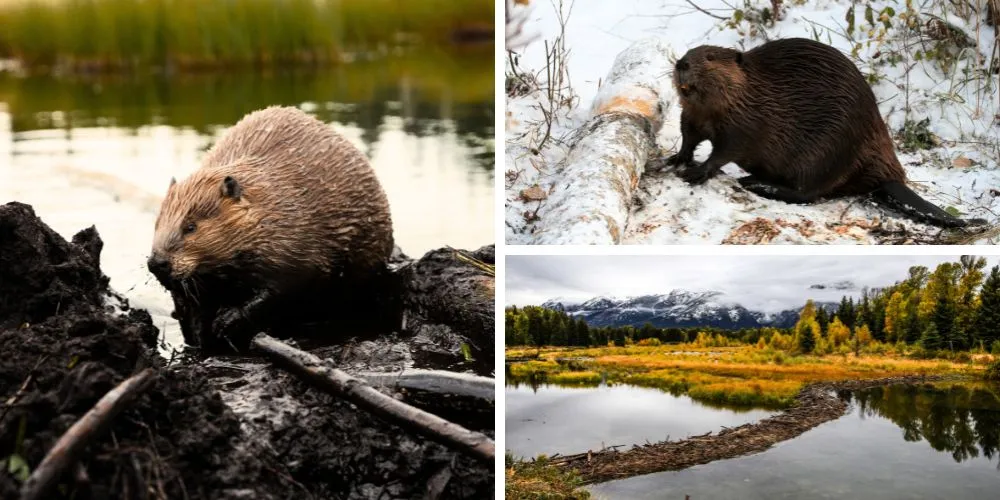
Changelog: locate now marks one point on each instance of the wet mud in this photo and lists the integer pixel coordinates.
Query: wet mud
(216, 428)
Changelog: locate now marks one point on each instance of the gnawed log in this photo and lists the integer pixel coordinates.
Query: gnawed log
(311, 369)
(589, 202)
(70, 445)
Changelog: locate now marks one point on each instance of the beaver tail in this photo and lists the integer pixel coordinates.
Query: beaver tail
(899, 196)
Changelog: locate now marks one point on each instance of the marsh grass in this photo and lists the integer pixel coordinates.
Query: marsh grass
(536, 480)
(732, 376)
(109, 34)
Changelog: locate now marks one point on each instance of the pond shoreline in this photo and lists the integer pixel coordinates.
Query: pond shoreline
(815, 404)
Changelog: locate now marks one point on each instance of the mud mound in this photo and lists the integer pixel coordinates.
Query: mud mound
(65, 348)
(67, 339)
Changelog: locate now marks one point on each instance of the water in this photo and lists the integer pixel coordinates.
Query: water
(897, 442)
(552, 419)
(101, 151)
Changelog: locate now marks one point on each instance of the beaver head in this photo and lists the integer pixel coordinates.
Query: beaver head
(709, 77)
(205, 222)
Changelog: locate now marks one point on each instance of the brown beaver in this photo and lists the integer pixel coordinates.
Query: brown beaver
(799, 117)
(280, 203)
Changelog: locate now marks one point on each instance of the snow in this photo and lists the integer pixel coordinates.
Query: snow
(960, 172)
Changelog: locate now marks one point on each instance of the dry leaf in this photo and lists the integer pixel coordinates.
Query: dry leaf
(961, 162)
(534, 193)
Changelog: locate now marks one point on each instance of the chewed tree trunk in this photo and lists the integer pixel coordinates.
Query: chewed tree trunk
(589, 202)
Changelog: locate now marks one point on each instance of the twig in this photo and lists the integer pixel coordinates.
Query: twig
(334, 381)
(95, 422)
(707, 13)
(487, 268)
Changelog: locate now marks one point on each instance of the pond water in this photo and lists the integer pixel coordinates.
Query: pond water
(550, 419)
(101, 150)
(896, 442)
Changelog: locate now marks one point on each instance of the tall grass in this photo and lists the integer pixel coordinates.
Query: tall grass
(741, 376)
(101, 34)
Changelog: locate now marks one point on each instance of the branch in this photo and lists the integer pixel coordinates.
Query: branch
(703, 11)
(438, 381)
(95, 422)
(336, 382)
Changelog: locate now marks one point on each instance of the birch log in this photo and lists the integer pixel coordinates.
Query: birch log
(589, 201)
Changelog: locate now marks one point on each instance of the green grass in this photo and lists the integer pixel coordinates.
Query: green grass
(108, 34)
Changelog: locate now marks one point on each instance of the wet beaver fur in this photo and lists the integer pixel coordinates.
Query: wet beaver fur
(800, 118)
(282, 210)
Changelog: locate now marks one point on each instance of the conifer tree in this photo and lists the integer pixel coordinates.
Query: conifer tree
(807, 329)
(988, 314)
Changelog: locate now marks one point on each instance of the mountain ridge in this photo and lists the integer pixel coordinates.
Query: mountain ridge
(676, 309)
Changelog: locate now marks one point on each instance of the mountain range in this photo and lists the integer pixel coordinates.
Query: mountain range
(677, 309)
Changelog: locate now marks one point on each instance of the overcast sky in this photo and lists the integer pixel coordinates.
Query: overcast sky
(765, 283)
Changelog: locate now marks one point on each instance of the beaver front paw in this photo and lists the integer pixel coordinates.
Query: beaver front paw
(696, 174)
(228, 323)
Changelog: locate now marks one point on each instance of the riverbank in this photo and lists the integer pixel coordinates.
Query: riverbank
(218, 428)
(188, 35)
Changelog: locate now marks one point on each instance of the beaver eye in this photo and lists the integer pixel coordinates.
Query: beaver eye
(710, 57)
(189, 228)
(682, 65)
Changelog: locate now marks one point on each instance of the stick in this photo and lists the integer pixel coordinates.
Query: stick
(95, 422)
(439, 381)
(355, 390)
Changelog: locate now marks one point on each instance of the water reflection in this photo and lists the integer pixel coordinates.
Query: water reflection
(961, 420)
(549, 419)
(927, 442)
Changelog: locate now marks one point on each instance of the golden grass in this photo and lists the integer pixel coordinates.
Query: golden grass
(726, 375)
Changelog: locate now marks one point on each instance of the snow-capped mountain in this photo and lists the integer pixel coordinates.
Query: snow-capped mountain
(679, 308)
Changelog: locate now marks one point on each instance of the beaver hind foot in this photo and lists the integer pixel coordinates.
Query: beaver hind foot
(772, 191)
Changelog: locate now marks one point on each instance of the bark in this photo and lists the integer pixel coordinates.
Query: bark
(592, 193)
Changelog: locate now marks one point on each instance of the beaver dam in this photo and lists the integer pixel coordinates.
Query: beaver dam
(235, 427)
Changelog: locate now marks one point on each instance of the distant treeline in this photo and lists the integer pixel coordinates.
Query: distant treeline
(109, 34)
(955, 307)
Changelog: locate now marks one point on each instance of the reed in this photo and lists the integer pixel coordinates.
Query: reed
(106, 34)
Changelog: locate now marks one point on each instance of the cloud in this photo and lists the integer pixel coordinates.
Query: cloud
(767, 283)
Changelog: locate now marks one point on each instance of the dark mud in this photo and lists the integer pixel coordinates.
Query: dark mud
(216, 429)
(814, 405)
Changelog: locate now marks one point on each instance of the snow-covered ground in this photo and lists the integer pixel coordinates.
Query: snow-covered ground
(960, 173)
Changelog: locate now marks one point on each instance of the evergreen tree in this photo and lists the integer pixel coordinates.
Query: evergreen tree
(823, 318)
(988, 315)
(943, 320)
(807, 329)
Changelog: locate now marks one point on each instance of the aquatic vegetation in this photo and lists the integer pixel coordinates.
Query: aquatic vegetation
(104, 34)
(584, 378)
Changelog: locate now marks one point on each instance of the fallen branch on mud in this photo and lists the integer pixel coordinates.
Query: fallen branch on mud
(438, 381)
(336, 382)
(95, 422)
(815, 404)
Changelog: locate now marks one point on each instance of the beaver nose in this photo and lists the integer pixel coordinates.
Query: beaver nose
(160, 267)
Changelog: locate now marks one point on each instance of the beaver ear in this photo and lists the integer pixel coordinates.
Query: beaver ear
(173, 180)
(231, 188)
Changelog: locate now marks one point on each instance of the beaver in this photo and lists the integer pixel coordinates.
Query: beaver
(281, 203)
(799, 117)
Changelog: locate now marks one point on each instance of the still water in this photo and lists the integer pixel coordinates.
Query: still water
(897, 442)
(550, 419)
(101, 150)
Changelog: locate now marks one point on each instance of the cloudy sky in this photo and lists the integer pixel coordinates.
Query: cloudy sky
(765, 283)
